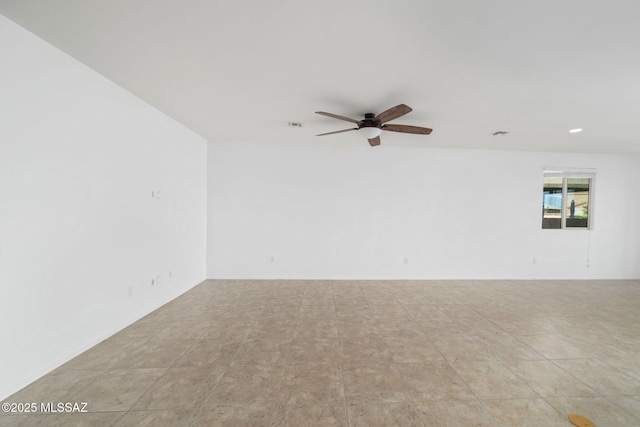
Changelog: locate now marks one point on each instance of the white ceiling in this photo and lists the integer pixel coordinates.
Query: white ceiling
(240, 70)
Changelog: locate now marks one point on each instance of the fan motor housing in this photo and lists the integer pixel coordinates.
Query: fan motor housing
(369, 121)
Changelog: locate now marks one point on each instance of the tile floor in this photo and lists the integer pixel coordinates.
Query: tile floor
(372, 353)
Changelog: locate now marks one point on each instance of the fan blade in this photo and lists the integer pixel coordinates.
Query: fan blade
(407, 129)
(335, 116)
(338, 131)
(374, 141)
(393, 113)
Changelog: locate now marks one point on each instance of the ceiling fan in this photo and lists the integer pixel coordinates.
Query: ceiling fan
(371, 126)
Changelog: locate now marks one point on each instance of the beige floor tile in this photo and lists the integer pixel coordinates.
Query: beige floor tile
(81, 419)
(317, 311)
(235, 416)
(616, 347)
(118, 389)
(106, 354)
(507, 347)
(455, 413)
(209, 353)
(208, 312)
(364, 413)
(270, 350)
(349, 311)
(380, 297)
(180, 388)
(230, 328)
(253, 300)
(547, 379)
(412, 296)
(183, 330)
(556, 346)
(21, 420)
(424, 311)
(345, 286)
(311, 384)
(317, 300)
(479, 327)
(631, 404)
(289, 289)
(142, 329)
(491, 380)
(459, 312)
(355, 327)
(446, 297)
(281, 311)
(57, 386)
(350, 300)
(600, 376)
(400, 328)
(440, 327)
(160, 418)
(274, 328)
(248, 312)
(294, 352)
(326, 415)
(516, 324)
(324, 351)
(284, 299)
(316, 328)
(364, 350)
(196, 309)
(600, 410)
(525, 413)
(412, 349)
(374, 382)
(434, 380)
(388, 310)
(247, 386)
(461, 347)
(155, 354)
(498, 309)
(316, 284)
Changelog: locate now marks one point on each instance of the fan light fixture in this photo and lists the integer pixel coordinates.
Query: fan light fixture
(370, 132)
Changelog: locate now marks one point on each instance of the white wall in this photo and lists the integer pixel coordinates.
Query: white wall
(345, 210)
(79, 230)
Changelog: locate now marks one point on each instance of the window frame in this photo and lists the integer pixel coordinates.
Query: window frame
(566, 174)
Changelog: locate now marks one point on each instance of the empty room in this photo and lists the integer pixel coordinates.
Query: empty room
(337, 213)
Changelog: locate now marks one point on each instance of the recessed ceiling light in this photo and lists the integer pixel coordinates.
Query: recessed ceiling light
(577, 130)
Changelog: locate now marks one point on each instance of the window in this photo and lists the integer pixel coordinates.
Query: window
(566, 199)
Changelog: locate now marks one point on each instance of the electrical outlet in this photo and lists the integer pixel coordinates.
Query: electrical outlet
(272, 259)
(130, 291)
(406, 260)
